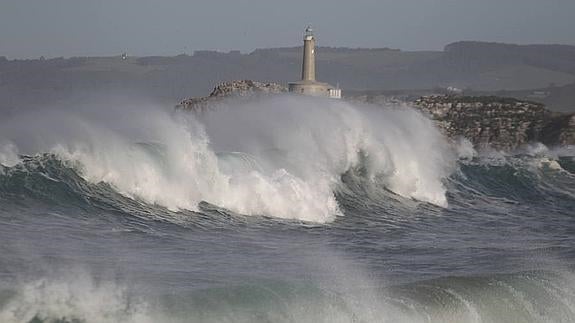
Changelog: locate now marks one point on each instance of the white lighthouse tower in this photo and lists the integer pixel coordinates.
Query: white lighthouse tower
(308, 84)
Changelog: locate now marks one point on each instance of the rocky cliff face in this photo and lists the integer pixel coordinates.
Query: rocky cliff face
(500, 123)
(560, 130)
(227, 89)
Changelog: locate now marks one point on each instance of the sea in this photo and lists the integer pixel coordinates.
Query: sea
(277, 209)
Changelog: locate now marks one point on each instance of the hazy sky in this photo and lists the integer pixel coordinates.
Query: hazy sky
(31, 28)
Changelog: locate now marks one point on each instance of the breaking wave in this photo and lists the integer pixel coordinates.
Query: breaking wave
(172, 203)
(280, 157)
(523, 297)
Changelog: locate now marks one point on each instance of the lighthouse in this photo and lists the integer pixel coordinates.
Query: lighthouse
(308, 66)
(308, 85)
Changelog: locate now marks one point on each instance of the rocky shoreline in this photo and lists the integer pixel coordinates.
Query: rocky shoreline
(499, 123)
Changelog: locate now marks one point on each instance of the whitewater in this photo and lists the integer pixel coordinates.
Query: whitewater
(277, 209)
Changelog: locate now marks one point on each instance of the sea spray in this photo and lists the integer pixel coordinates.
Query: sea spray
(319, 140)
(501, 251)
(8, 154)
(280, 156)
(73, 297)
(526, 297)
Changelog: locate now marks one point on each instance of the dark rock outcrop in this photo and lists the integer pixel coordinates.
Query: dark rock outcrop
(241, 88)
(560, 130)
(501, 123)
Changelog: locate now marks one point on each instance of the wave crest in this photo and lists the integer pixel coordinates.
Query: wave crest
(282, 156)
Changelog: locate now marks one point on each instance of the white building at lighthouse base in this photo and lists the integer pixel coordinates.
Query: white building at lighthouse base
(315, 88)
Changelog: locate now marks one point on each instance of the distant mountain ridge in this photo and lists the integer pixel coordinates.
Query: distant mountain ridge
(559, 58)
(473, 66)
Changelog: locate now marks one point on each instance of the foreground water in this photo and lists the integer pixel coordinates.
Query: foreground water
(278, 210)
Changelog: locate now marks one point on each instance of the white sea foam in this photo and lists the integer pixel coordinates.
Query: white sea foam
(465, 149)
(77, 298)
(8, 154)
(280, 156)
(347, 295)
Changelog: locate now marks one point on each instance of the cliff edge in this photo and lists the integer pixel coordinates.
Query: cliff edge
(501, 123)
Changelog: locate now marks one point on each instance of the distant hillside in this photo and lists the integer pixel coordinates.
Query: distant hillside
(467, 65)
(494, 66)
(559, 58)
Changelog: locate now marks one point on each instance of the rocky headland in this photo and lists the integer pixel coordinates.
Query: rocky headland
(242, 88)
(500, 123)
(488, 121)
